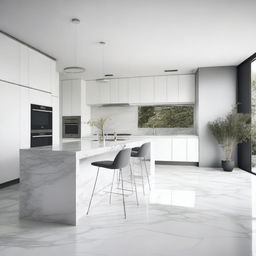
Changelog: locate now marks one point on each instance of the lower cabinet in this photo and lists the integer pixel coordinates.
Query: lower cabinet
(176, 149)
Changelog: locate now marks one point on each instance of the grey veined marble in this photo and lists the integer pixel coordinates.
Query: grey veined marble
(56, 183)
(189, 212)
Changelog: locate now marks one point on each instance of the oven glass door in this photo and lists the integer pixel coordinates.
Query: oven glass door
(39, 140)
(41, 119)
(71, 129)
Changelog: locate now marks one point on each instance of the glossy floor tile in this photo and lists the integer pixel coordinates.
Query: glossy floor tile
(189, 212)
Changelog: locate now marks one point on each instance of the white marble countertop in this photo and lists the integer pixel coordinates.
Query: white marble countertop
(87, 147)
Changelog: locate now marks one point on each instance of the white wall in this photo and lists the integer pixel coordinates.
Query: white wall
(124, 119)
(215, 96)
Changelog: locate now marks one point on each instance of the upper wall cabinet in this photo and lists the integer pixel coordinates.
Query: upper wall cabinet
(134, 90)
(143, 90)
(147, 91)
(22, 65)
(40, 71)
(187, 88)
(9, 59)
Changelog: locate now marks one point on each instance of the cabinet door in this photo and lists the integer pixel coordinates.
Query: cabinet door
(24, 61)
(104, 89)
(113, 90)
(134, 90)
(66, 88)
(160, 89)
(123, 90)
(76, 98)
(39, 71)
(54, 79)
(187, 88)
(92, 93)
(173, 89)
(192, 149)
(55, 121)
(162, 149)
(9, 132)
(40, 98)
(179, 149)
(147, 90)
(9, 59)
(24, 110)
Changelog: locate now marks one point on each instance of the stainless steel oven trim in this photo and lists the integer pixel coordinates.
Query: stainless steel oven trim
(41, 110)
(41, 136)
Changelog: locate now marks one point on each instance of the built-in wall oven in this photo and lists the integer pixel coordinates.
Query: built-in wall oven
(71, 126)
(41, 125)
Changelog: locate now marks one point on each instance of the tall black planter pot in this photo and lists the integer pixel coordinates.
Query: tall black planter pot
(228, 166)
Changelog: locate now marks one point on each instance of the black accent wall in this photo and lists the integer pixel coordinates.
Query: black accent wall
(244, 106)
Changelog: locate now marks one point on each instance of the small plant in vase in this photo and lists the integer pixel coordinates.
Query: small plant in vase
(235, 128)
(100, 125)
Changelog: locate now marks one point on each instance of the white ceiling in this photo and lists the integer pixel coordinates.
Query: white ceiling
(143, 37)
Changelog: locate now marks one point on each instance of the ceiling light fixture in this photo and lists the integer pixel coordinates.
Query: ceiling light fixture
(75, 68)
(103, 79)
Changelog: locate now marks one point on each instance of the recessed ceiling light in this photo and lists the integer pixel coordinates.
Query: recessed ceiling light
(171, 70)
(74, 70)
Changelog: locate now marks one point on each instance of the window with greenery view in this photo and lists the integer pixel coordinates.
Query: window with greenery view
(174, 116)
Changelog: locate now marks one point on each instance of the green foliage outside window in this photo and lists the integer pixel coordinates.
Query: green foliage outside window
(174, 116)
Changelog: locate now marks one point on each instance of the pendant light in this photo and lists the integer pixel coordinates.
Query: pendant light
(75, 68)
(103, 79)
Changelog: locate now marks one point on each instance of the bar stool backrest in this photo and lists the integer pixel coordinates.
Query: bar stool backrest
(144, 150)
(122, 158)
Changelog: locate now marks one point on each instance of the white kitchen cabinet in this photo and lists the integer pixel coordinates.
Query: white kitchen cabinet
(71, 97)
(92, 93)
(187, 88)
(75, 97)
(9, 132)
(40, 98)
(123, 90)
(9, 59)
(66, 87)
(55, 80)
(104, 91)
(160, 89)
(40, 67)
(173, 89)
(24, 111)
(147, 90)
(113, 84)
(55, 120)
(192, 150)
(162, 149)
(134, 90)
(179, 149)
(24, 62)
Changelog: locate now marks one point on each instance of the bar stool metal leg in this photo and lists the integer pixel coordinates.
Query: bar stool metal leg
(112, 186)
(134, 182)
(141, 170)
(122, 183)
(147, 173)
(93, 190)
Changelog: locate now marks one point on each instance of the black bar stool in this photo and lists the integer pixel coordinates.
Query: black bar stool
(141, 153)
(121, 160)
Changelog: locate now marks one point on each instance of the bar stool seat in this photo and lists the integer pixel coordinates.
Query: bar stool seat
(104, 164)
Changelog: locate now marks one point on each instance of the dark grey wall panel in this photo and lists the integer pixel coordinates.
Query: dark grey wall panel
(244, 106)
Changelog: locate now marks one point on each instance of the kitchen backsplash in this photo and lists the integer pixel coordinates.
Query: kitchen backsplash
(124, 119)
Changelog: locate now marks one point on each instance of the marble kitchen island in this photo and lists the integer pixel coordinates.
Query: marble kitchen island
(56, 182)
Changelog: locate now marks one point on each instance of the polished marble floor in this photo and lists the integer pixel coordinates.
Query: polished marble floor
(189, 212)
